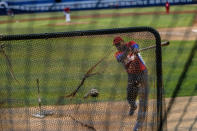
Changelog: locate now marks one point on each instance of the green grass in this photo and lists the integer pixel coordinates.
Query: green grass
(162, 21)
(174, 59)
(61, 63)
(156, 21)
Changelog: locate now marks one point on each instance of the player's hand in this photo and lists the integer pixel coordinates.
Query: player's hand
(134, 50)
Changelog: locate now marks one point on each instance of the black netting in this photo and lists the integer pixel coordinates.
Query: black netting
(58, 64)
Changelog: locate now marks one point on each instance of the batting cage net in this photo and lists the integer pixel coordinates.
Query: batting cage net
(75, 81)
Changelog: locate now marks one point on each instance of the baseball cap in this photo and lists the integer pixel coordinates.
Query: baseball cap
(117, 40)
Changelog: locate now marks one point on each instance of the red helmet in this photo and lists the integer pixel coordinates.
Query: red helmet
(117, 40)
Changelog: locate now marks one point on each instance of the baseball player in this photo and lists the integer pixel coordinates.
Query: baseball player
(128, 54)
(167, 5)
(67, 14)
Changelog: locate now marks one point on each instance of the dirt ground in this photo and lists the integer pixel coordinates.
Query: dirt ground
(101, 116)
(183, 116)
(105, 116)
(179, 33)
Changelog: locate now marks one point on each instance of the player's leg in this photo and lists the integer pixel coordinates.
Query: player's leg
(132, 92)
(143, 92)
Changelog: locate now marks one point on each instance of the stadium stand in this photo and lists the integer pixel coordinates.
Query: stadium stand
(33, 6)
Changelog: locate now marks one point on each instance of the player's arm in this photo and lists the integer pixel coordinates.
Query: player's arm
(134, 48)
(121, 56)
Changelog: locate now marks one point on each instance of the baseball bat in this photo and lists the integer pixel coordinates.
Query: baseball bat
(39, 99)
(165, 43)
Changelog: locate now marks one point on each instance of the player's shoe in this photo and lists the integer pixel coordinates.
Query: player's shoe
(137, 127)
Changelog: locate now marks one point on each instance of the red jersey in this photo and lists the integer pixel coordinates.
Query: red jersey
(167, 5)
(133, 63)
(67, 10)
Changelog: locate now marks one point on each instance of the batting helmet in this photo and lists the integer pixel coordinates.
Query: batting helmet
(117, 40)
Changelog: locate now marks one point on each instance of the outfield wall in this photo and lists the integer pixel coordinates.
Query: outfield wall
(32, 6)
